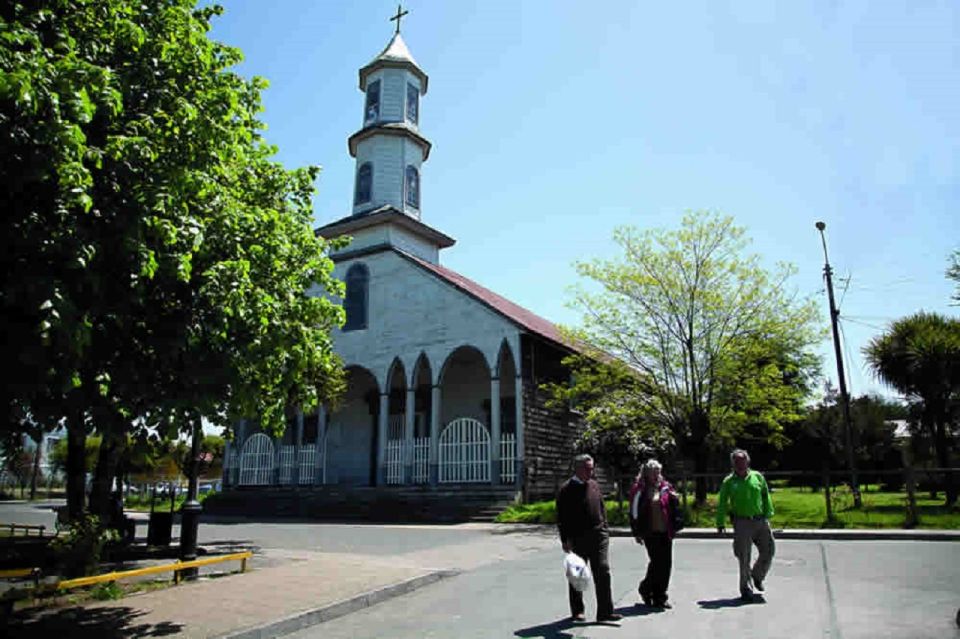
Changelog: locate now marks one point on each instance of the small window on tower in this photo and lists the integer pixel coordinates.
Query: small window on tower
(413, 103)
(413, 186)
(372, 112)
(361, 194)
(355, 302)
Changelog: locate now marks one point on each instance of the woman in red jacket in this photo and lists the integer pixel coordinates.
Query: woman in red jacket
(655, 518)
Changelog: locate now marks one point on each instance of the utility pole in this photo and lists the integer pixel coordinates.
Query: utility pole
(844, 397)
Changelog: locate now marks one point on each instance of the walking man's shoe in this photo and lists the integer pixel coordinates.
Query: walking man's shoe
(578, 617)
(613, 616)
(746, 595)
(758, 584)
(647, 599)
(663, 603)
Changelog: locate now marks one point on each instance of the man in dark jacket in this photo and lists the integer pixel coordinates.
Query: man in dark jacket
(582, 520)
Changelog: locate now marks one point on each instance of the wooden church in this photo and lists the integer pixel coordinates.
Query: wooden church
(442, 407)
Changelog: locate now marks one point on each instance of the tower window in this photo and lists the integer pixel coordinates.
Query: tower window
(413, 103)
(372, 110)
(355, 302)
(361, 194)
(412, 183)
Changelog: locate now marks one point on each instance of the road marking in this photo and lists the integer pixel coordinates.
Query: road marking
(833, 630)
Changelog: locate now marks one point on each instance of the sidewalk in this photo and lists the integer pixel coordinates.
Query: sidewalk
(294, 590)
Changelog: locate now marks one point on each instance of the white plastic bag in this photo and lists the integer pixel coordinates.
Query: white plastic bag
(577, 571)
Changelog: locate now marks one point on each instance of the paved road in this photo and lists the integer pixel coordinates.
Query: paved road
(511, 584)
(840, 590)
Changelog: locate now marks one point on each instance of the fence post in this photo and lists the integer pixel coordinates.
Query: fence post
(912, 519)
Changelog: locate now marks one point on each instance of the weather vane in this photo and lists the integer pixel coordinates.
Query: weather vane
(400, 14)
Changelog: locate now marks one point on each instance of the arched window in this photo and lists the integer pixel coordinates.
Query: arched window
(372, 109)
(355, 302)
(361, 194)
(413, 186)
(413, 103)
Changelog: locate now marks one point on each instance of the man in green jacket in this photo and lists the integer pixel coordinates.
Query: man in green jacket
(744, 494)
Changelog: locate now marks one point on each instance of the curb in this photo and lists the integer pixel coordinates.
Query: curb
(820, 534)
(307, 618)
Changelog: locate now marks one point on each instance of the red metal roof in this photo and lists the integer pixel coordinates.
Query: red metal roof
(514, 312)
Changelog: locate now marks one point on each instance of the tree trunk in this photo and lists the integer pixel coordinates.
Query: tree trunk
(943, 460)
(700, 466)
(36, 470)
(102, 500)
(76, 471)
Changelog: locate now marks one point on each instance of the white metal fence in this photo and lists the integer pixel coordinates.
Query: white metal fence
(308, 465)
(394, 462)
(464, 452)
(508, 458)
(288, 455)
(421, 460)
(256, 461)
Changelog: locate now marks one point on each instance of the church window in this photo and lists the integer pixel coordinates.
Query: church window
(413, 186)
(361, 194)
(413, 103)
(355, 302)
(372, 110)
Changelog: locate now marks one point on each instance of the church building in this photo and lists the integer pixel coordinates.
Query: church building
(443, 374)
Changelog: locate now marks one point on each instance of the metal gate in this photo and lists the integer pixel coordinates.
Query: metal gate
(256, 461)
(464, 452)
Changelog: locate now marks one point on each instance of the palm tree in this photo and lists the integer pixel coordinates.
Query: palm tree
(919, 356)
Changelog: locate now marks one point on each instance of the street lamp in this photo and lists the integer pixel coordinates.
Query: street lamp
(844, 397)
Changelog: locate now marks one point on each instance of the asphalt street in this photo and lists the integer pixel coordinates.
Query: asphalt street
(840, 590)
(511, 583)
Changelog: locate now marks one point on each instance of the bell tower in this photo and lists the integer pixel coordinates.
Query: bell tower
(389, 149)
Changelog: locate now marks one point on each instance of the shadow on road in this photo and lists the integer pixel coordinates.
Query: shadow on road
(85, 623)
(556, 629)
(735, 602)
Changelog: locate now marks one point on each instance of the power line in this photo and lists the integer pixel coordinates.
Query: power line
(867, 324)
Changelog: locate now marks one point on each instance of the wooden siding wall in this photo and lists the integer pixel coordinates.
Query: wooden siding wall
(549, 435)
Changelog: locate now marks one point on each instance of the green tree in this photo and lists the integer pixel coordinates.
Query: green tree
(714, 342)
(919, 356)
(155, 260)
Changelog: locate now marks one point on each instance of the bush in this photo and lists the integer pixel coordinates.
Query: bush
(109, 591)
(78, 552)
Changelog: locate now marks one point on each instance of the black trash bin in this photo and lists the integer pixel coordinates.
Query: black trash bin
(159, 529)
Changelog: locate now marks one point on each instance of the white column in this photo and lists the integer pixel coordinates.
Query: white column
(434, 433)
(297, 445)
(321, 461)
(408, 437)
(495, 430)
(382, 437)
(521, 476)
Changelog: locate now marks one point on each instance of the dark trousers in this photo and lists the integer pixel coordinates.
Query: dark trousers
(592, 547)
(660, 551)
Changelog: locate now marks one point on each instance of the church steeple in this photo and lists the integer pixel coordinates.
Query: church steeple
(389, 149)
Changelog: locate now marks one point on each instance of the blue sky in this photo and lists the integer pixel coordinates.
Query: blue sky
(555, 122)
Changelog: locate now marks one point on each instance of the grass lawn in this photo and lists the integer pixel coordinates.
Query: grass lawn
(141, 503)
(794, 508)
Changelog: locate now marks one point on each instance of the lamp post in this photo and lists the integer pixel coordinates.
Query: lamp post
(190, 511)
(844, 397)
